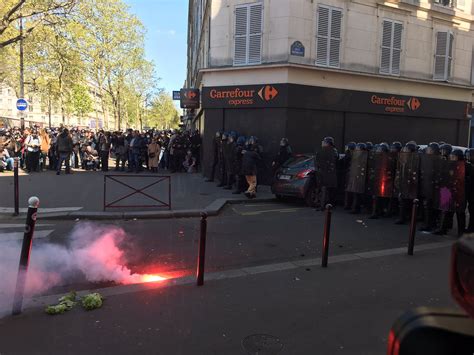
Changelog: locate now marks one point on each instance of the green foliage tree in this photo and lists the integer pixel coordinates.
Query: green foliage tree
(80, 102)
(163, 113)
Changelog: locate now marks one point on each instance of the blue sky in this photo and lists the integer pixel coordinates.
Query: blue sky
(166, 22)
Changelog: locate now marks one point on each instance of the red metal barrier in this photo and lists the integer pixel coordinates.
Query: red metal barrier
(135, 190)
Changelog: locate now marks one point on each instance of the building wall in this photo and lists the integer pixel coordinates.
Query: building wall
(285, 21)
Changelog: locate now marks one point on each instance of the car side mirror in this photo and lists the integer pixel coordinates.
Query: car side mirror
(441, 331)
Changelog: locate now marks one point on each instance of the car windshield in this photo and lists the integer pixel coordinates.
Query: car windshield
(302, 161)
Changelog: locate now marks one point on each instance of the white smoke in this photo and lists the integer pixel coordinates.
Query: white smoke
(93, 250)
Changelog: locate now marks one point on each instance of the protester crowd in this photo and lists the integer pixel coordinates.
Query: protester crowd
(133, 151)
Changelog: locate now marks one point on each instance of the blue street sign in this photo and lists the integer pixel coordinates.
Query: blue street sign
(21, 104)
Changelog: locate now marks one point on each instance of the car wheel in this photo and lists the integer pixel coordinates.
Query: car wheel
(312, 196)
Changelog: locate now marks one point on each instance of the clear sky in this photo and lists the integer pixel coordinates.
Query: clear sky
(166, 22)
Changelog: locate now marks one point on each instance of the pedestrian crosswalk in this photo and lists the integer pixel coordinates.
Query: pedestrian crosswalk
(12, 232)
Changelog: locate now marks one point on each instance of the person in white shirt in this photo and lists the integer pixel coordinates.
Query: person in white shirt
(33, 145)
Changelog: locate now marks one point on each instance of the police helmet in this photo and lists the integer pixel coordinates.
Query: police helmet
(328, 141)
(469, 155)
(283, 142)
(218, 134)
(350, 146)
(252, 140)
(396, 146)
(224, 136)
(369, 145)
(361, 146)
(433, 148)
(410, 147)
(446, 149)
(456, 155)
(382, 148)
(241, 140)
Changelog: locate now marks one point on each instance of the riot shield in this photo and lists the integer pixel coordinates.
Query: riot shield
(384, 174)
(407, 176)
(326, 172)
(358, 171)
(452, 186)
(429, 177)
(370, 184)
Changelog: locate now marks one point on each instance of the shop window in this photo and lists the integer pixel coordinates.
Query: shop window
(448, 3)
(328, 38)
(443, 56)
(391, 47)
(248, 34)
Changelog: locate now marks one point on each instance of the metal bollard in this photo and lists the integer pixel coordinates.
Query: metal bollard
(327, 232)
(411, 236)
(33, 204)
(202, 250)
(16, 189)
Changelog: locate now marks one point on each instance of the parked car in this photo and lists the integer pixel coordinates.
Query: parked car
(296, 178)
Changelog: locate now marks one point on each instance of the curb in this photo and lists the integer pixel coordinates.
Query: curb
(212, 209)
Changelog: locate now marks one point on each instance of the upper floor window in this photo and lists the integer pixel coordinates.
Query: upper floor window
(248, 34)
(449, 3)
(391, 47)
(328, 37)
(443, 55)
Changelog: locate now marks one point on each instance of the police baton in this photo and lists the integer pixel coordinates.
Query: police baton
(16, 188)
(411, 236)
(327, 232)
(33, 204)
(202, 250)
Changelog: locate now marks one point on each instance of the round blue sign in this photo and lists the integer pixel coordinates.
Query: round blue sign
(21, 104)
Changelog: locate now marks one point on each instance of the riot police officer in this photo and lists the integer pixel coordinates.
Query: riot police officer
(452, 192)
(284, 153)
(429, 176)
(406, 180)
(356, 182)
(469, 157)
(229, 159)
(237, 169)
(221, 160)
(215, 154)
(346, 165)
(383, 179)
(326, 172)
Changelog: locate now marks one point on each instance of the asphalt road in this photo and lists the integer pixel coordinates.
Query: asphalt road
(345, 309)
(243, 235)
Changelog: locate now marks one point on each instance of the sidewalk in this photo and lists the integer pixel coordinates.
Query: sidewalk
(81, 195)
(345, 309)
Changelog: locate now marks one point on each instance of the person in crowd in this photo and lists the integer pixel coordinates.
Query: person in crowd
(251, 158)
(64, 148)
(104, 150)
(284, 153)
(190, 162)
(120, 146)
(33, 146)
(44, 149)
(154, 150)
(6, 161)
(91, 158)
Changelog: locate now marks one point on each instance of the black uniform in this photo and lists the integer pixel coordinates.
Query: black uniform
(326, 173)
(356, 181)
(383, 176)
(215, 155)
(430, 162)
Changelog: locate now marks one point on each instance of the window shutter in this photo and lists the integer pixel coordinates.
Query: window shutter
(443, 55)
(255, 34)
(397, 47)
(240, 39)
(323, 36)
(386, 47)
(328, 41)
(335, 41)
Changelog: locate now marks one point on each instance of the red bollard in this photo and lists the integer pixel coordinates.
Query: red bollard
(202, 250)
(327, 232)
(411, 236)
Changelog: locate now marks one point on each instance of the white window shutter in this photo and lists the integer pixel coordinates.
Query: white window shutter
(335, 40)
(328, 40)
(387, 30)
(240, 35)
(255, 34)
(396, 47)
(440, 56)
(322, 40)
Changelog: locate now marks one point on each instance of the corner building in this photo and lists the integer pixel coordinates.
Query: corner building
(356, 70)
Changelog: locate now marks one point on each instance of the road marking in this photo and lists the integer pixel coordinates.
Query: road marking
(282, 210)
(8, 237)
(42, 210)
(6, 225)
(234, 273)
